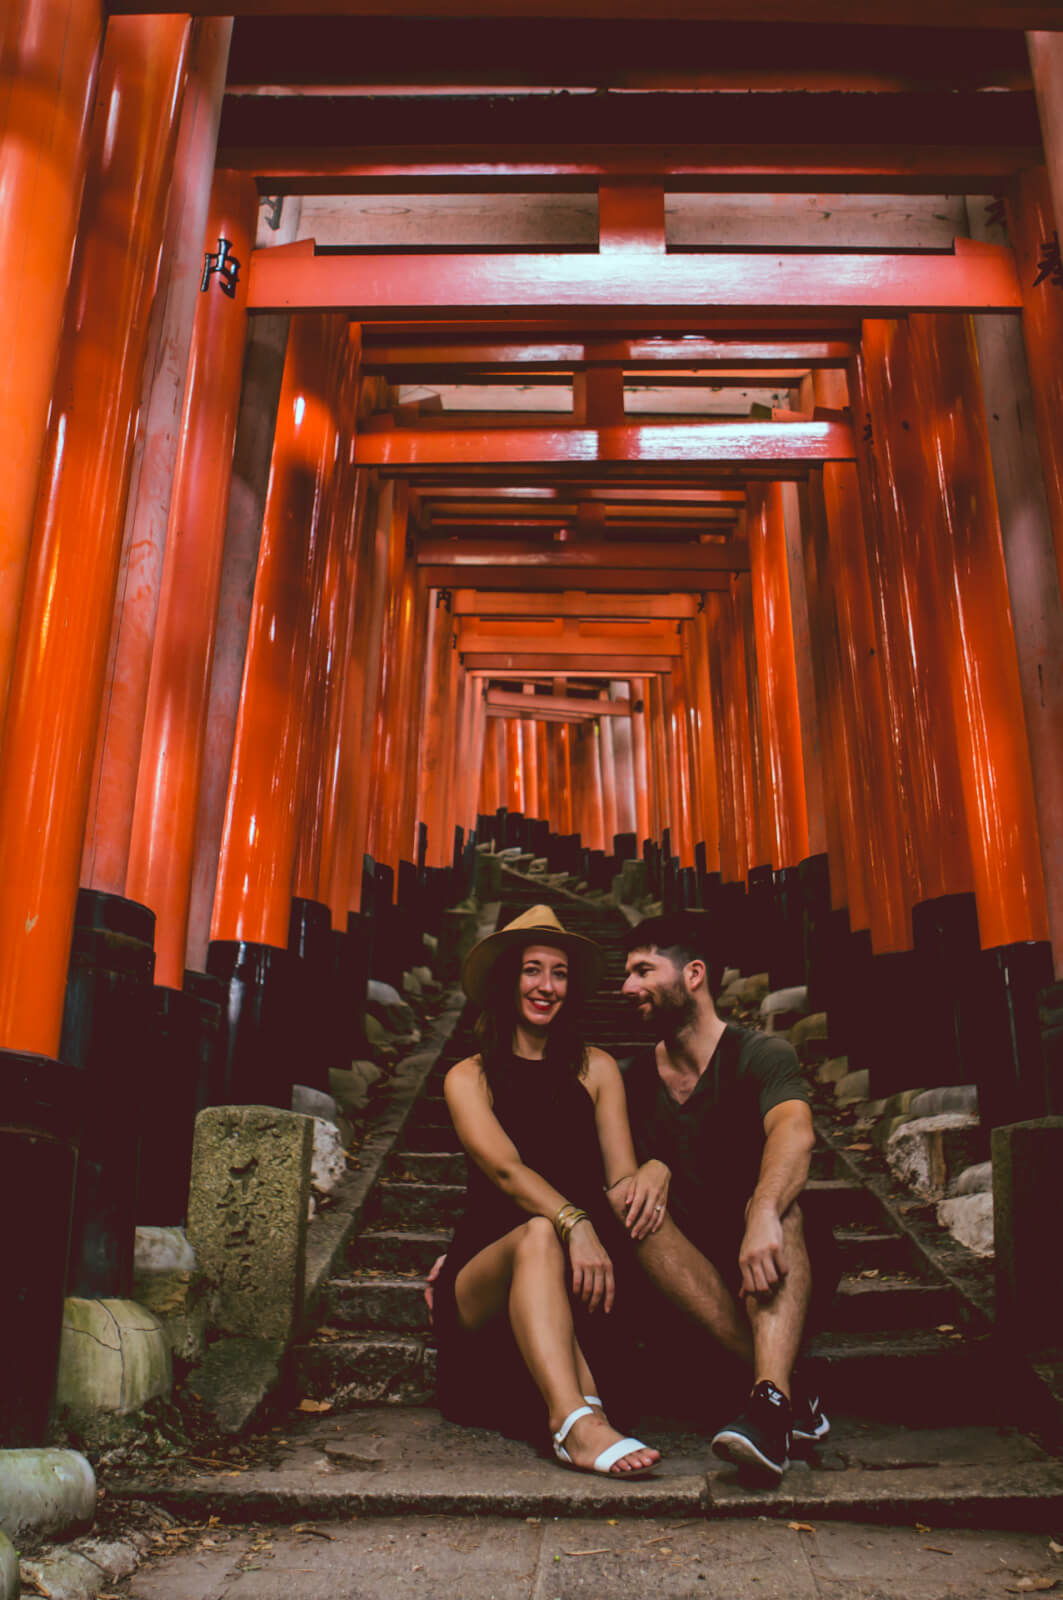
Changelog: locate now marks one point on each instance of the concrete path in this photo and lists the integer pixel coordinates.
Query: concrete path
(436, 1558)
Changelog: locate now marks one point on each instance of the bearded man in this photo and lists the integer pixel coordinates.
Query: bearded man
(723, 1130)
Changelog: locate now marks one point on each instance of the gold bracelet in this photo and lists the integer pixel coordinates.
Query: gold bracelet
(570, 1222)
(562, 1218)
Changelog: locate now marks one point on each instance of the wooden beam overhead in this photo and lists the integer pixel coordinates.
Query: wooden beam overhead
(781, 445)
(565, 706)
(893, 13)
(606, 580)
(586, 559)
(762, 357)
(979, 278)
(621, 662)
(571, 603)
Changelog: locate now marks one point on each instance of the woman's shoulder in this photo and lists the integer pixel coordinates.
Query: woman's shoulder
(468, 1071)
(600, 1064)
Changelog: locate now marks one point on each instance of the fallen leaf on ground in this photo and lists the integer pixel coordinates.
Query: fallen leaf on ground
(308, 1527)
(1031, 1585)
(801, 1527)
(1055, 1547)
(945, 1327)
(314, 1405)
(601, 1551)
(923, 1527)
(937, 1550)
(862, 1145)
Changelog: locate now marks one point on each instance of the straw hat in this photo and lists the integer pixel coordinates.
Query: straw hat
(537, 925)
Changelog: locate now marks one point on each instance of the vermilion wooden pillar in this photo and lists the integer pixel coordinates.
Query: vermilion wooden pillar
(513, 767)
(675, 702)
(49, 58)
(1046, 61)
(167, 795)
(167, 366)
(543, 762)
(364, 674)
(658, 752)
(58, 674)
(439, 733)
(761, 836)
(986, 694)
(703, 737)
(1032, 222)
(490, 789)
(607, 757)
(903, 575)
(342, 893)
(329, 644)
(383, 777)
(732, 818)
(567, 822)
(644, 803)
(59, 660)
(623, 756)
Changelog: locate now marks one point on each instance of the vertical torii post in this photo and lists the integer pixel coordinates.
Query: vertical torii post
(49, 59)
(252, 904)
(167, 367)
(58, 674)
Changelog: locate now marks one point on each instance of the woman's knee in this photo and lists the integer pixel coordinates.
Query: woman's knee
(537, 1240)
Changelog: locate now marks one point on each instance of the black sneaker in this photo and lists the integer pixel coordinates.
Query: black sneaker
(808, 1425)
(759, 1439)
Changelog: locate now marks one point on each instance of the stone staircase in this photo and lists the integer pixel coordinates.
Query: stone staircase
(899, 1342)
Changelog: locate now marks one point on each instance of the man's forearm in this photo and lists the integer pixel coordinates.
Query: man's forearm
(783, 1169)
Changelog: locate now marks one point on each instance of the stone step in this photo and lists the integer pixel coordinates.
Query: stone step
(911, 1378)
(429, 1166)
(398, 1250)
(410, 1204)
(863, 1248)
(403, 1462)
(374, 1300)
(882, 1303)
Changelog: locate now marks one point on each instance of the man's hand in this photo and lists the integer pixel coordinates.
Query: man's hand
(646, 1198)
(429, 1286)
(592, 1270)
(762, 1258)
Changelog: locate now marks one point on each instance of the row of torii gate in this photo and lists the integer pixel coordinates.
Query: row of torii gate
(813, 657)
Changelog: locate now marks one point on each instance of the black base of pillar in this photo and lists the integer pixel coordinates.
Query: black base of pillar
(1050, 1017)
(315, 1000)
(887, 1027)
(358, 963)
(108, 1027)
(263, 1051)
(786, 968)
(626, 846)
(41, 1108)
(171, 1101)
(946, 999)
(731, 902)
(814, 873)
(1011, 1069)
(760, 920)
(844, 988)
(211, 995)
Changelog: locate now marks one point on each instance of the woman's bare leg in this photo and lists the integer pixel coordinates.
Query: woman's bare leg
(528, 1268)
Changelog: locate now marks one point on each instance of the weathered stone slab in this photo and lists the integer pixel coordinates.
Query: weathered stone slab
(927, 1153)
(247, 1216)
(307, 1102)
(9, 1578)
(114, 1357)
(236, 1378)
(1027, 1211)
(166, 1283)
(969, 1218)
(45, 1492)
(487, 877)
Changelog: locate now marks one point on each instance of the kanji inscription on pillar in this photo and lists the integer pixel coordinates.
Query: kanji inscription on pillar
(223, 265)
(247, 1216)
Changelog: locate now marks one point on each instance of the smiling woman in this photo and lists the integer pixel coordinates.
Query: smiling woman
(524, 1301)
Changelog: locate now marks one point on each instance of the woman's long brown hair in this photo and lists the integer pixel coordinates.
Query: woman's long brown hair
(566, 1044)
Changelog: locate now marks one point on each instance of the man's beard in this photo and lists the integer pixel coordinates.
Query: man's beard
(674, 1011)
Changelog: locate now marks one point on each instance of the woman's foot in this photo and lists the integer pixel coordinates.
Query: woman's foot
(592, 1435)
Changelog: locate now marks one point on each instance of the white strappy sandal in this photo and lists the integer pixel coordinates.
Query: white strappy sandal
(608, 1458)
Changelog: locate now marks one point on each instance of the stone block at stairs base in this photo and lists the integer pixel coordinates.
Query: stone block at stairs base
(166, 1283)
(45, 1492)
(928, 1153)
(10, 1583)
(114, 1357)
(1027, 1162)
(969, 1219)
(236, 1379)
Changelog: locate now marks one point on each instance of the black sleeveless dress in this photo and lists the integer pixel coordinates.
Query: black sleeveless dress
(549, 1115)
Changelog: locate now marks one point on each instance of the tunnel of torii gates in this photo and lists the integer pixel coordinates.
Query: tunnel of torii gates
(426, 426)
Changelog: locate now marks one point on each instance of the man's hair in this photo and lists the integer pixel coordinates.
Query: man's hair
(682, 936)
